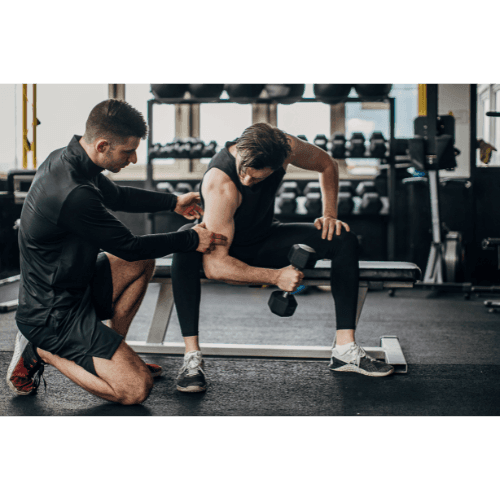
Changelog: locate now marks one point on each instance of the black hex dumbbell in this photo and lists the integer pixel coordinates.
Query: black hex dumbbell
(371, 204)
(313, 204)
(357, 146)
(287, 203)
(290, 187)
(378, 147)
(312, 187)
(183, 188)
(284, 303)
(338, 146)
(209, 149)
(321, 141)
(302, 137)
(165, 187)
(197, 149)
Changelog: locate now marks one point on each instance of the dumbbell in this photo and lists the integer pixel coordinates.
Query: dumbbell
(370, 204)
(357, 146)
(289, 187)
(209, 149)
(165, 187)
(197, 149)
(287, 203)
(312, 187)
(338, 146)
(365, 187)
(197, 187)
(303, 137)
(313, 204)
(378, 147)
(155, 150)
(345, 201)
(183, 188)
(321, 141)
(284, 303)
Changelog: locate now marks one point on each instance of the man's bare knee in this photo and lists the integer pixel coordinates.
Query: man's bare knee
(138, 393)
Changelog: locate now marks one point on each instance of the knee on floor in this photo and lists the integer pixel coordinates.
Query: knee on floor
(137, 393)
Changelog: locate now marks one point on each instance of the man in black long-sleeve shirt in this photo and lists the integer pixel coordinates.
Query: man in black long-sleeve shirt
(67, 288)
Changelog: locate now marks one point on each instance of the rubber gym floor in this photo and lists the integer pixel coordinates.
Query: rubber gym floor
(452, 347)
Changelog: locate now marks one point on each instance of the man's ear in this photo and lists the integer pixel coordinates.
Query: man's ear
(102, 145)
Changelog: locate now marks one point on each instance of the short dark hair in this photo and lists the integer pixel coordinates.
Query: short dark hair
(114, 120)
(263, 146)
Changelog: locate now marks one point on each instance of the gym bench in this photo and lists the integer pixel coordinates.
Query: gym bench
(373, 275)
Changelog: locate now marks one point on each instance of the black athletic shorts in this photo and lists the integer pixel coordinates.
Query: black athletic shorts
(81, 338)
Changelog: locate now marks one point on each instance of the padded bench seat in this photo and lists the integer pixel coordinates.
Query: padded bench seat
(368, 271)
(373, 275)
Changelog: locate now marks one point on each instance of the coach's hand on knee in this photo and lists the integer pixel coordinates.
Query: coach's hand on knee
(208, 239)
(289, 279)
(330, 226)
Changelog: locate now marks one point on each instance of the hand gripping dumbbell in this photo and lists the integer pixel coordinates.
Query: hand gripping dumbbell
(284, 303)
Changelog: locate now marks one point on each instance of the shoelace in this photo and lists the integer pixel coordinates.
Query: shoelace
(192, 363)
(359, 352)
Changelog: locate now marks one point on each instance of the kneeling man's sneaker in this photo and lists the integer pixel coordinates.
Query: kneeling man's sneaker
(356, 360)
(25, 369)
(191, 376)
(155, 370)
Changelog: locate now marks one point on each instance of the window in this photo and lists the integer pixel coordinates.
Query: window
(488, 128)
(61, 109)
(223, 122)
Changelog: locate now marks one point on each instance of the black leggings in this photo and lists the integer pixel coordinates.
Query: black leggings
(272, 252)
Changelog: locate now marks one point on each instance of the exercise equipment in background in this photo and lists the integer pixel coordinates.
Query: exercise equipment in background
(332, 93)
(285, 93)
(432, 149)
(186, 147)
(371, 91)
(206, 90)
(169, 90)
(244, 92)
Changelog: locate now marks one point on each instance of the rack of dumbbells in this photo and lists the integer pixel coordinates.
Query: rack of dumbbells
(187, 148)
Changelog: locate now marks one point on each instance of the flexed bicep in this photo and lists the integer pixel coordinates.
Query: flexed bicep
(221, 199)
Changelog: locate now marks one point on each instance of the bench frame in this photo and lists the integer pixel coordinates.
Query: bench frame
(389, 350)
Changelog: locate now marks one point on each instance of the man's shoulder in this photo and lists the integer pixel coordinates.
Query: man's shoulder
(218, 180)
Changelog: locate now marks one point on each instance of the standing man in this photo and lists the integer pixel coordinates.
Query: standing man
(238, 191)
(67, 287)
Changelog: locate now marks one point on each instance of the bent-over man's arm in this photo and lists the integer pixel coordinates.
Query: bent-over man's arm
(310, 157)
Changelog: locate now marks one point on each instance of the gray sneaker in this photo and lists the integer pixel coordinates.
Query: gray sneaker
(356, 360)
(191, 376)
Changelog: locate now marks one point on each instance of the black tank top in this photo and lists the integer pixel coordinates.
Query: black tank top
(254, 216)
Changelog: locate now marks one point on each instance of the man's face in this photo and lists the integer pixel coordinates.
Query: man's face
(118, 157)
(250, 176)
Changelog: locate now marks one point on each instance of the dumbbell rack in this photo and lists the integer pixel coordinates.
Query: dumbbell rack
(390, 158)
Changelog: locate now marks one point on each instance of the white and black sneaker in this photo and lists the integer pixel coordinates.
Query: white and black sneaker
(191, 376)
(354, 359)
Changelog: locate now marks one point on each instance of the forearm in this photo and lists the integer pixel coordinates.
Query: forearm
(235, 272)
(329, 182)
(136, 200)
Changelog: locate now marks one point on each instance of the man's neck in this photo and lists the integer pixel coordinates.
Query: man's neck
(88, 149)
